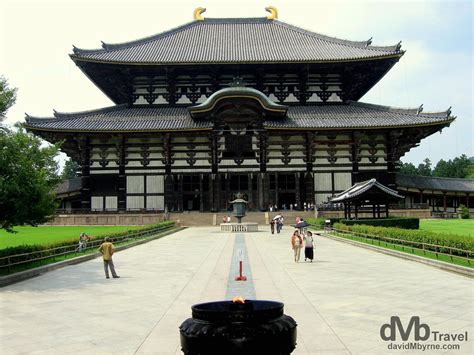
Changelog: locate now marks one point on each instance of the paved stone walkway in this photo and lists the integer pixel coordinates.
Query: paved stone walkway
(339, 301)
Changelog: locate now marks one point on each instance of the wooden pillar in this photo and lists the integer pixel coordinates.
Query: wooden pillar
(298, 191)
(250, 189)
(455, 202)
(180, 193)
(349, 210)
(421, 196)
(170, 200)
(122, 178)
(467, 200)
(261, 191)
(356, 210)
(277, 199)
(445, 202)
(85, 151)
(373, 210)
(201, 194)
(386, 209)
(227, 191)
(378, 210)
(262, 178)
(356, 138)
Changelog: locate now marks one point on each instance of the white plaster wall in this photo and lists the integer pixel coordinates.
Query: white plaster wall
(155, 202)
(322, 182)
(111, 203)
(97, 203)
(342, 181)
(135, 184)
(135, 202)
(155, 184)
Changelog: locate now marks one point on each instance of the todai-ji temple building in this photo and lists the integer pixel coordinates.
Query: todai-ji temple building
(225, 105)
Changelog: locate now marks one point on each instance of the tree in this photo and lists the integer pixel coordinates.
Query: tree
(28, 176)
(424, 169)
(408, 169)
(70, 170)
(459, 167)
(7, 97)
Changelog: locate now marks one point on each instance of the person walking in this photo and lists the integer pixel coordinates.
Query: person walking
(107, 250)
(83, 238)
(308, 246)
(272, 226)
(296, 243)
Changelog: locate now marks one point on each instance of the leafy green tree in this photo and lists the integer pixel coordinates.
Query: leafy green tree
(28, 172)
(70, 170)
(28, 176)
(7, 97)
(424, 169)
(459, 167)
(408, 169)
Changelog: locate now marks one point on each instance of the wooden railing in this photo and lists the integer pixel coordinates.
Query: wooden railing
(11, 261)
(438, 250)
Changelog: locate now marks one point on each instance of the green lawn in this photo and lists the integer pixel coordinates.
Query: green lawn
(52, 234)
(451, 226)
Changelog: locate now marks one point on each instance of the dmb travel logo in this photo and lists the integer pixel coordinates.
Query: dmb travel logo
(415, 335)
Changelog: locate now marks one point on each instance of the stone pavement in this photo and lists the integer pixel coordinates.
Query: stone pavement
(339, 301)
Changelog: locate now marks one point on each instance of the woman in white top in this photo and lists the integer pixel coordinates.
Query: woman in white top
(308, 246)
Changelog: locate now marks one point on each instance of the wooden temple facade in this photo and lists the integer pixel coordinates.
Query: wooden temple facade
(220, 106)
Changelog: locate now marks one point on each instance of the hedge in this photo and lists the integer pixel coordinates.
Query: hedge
(320, 222)
(420, 236)
(405, 223)
(23, 249)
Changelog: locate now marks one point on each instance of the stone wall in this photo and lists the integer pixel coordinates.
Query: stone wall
(106, 219)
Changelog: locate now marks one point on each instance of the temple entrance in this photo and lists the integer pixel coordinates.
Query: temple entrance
(191, 202)
(286, 198)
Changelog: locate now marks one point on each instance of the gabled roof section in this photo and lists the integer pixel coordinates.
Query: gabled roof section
(235, 40)
(240, 93)
(361, 188)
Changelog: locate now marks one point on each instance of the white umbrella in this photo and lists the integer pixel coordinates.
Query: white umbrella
(278, 216)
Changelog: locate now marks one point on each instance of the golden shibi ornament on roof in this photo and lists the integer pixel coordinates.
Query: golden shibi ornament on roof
(197, 14)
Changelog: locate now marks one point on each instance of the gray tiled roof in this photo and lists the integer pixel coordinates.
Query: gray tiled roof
(360, 188)
(121, 118)
(435, 183)
(235, 40)
(355, 115)
(69, 186)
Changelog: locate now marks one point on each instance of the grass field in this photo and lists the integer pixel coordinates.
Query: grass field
(451, 226)
(52, 234)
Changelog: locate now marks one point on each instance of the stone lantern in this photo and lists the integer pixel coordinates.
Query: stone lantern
(239, 206)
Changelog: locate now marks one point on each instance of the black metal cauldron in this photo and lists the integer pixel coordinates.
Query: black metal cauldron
(255, 327)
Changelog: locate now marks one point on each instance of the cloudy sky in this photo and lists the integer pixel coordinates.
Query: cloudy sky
(36, 37)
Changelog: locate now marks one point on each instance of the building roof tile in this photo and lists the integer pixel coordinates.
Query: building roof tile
(429, 183)
(235, 40)
(166, 118)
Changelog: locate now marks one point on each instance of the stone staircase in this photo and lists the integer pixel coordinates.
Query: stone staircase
(195, 218)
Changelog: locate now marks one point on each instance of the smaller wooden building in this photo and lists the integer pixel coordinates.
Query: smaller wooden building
(366, 194)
